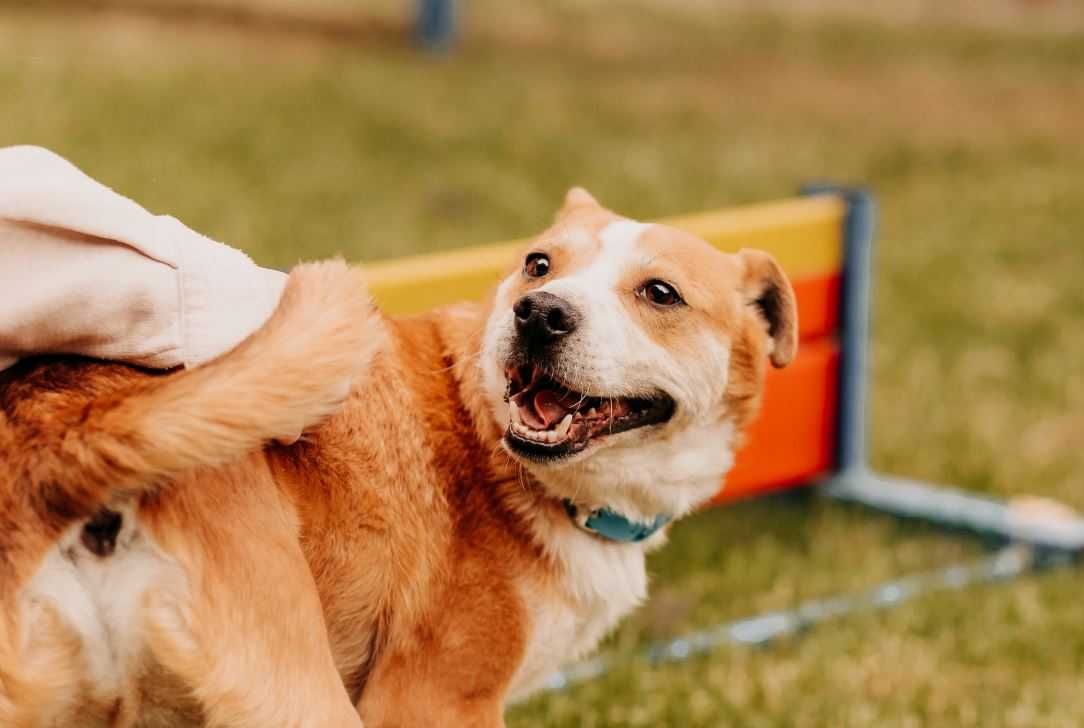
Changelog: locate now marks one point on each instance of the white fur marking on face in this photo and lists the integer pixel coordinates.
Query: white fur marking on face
(577, 236)
(618, 238)
(593, 290)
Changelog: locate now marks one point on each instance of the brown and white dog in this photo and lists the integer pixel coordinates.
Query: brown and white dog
(476, 514)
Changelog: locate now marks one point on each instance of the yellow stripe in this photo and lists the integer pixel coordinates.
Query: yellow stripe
(804, 234)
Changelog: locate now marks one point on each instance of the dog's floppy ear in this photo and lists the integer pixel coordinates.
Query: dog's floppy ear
(765, 287)
(576, 198)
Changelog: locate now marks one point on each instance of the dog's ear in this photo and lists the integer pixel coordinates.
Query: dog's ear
(575, 199)
(765, 287)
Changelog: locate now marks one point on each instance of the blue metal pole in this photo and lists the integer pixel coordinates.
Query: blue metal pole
(436, 23)
(858, 230)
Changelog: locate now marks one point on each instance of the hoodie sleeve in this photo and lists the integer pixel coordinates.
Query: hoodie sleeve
(84, 270)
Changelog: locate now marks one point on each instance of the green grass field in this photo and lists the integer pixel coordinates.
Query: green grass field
(294, 145)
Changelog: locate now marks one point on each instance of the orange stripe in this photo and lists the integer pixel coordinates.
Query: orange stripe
(793, 439)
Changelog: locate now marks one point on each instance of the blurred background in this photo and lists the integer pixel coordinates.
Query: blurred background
(305, 128)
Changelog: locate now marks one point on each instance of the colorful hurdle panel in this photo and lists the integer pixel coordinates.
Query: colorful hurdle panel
(801, 402)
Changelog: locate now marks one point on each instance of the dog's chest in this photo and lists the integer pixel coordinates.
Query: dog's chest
(599, 584)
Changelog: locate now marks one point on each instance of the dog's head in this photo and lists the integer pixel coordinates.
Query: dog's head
(625, 358)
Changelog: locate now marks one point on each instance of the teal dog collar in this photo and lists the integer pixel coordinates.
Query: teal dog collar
(612, 526)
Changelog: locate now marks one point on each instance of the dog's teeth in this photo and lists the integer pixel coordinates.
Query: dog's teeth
(513, 411)
(549, 436)
(592, 413)
(562, 429)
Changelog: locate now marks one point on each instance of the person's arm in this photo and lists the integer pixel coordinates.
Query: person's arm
(84, 270)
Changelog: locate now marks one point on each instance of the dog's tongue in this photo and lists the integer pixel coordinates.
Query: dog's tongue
(551, 407)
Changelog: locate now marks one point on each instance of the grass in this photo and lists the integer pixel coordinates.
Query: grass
(297, 146)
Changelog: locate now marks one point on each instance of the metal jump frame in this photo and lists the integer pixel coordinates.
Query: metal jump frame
(1025, 543)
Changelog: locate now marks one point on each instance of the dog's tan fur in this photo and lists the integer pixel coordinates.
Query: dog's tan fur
(396, 564)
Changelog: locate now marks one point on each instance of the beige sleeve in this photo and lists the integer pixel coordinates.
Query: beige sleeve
(84, 270)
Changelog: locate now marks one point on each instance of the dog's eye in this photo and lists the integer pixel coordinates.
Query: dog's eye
(536, 265)
(660, 293)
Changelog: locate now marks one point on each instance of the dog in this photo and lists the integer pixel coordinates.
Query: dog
(471, 511)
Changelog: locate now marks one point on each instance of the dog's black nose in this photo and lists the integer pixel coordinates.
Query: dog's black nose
(542, 318)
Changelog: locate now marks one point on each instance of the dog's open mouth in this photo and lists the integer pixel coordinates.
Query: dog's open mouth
(549, 420)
